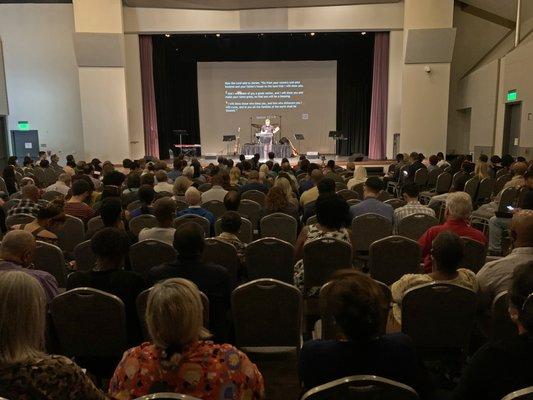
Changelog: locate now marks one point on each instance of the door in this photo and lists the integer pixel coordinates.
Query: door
(25, 143)
(511, 129)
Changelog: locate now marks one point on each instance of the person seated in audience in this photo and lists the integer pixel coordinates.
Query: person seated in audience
(457, 214)
(49, 219)
(325, 186)
(181, 184)
(178, 164)
(312, 194)
(231, 224)
(371, 190)
(359, 176)
(146, 197)
(76, 205)
(217, 192)
(307, 183)
(410, 194)
(235, 178)
(481, 170)
(447, 252)
(162, 182)
(518, 170)
(277, 202)
(432, 163)
(88, 170)
(211, 279)
(70, 167)
(456, 164)
(253, 183)
(111, 246)
(9, 179)
(393, 175)
(164, 211)
(112, 216)
(112, 177)
(131, 193)
(501, 367)
(17, 253)
(193, 198)
(180, 358)
(359, 306)
(148, 179)
(232, 200)
(197, 172)
(495, 276)
(289, 190)
(302, 167)
(26, 371)
(331, 172)
(29, 204)
(62, 185)
(494, 166)
(331, 214)
(414, 165)
(442, 161)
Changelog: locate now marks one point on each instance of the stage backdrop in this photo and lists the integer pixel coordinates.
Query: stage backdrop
(175, 62)
(299, 95)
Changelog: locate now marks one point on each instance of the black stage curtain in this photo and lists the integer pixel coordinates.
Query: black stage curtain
(175, 76)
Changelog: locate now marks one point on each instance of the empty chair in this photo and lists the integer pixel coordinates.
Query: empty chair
(254, 327)
(471, 187)
(502, 327)
(392, 257)
(90, 323)
(84, 256)
(142, 221)
(279, 225)
(348, 194)
(216, 207)
(432, 178)
(395, 203)
(149, 253)
(18, 219)
(421, 177)
(368, 228)
(484, 190)
(203, 222)
(444, 182)
(51, 195)
(254, 195)
(475, 254)
(251, 210)
(245, 233)
(71, 234)
(361, 387)
(500, 183)
(414, 226)
(270, 258)
(219, 252)
(50, 258)
(439, 316)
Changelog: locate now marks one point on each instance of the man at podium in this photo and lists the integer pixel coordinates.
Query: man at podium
(265, 137)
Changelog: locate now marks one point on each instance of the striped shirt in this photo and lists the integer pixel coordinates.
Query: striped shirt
(413, 207)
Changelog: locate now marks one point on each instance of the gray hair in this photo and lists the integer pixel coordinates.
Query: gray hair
(459, 205)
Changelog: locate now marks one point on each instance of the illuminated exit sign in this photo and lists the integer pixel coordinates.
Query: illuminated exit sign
(512, 95)
(23, 126)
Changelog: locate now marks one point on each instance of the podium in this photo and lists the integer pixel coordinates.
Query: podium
(265, 138)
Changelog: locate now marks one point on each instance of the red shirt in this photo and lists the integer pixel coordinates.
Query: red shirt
(79, 210)
(458, 226)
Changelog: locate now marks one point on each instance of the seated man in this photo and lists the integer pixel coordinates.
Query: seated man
(164, 211)
(193, 198)
(211, 279)
(371, 190)
(217, 192)
(410, 194)
(111, 213)
(62, 185)
(232, 200)
(331, 172)
(17, 253)
(457, 213)
(29, 204)
(495, 276)
(162, 184)
(415, 165)
(254, 183)
(325, 186)
(76, 206)
(231, 224)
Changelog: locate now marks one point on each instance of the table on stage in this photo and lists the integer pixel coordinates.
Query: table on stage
(280, 150)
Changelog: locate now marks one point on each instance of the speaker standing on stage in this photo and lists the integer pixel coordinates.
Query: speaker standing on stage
(265, 137)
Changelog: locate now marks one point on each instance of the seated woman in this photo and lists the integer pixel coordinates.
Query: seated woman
(146, 197)
(278, 202)
(331, 214)
(180, 359)
(26, 372)
(181, 184)
(501, 367)
(359, 176)
(446, 255)
(285, 184)
(235, 178)
(49, 219)
(359, 306)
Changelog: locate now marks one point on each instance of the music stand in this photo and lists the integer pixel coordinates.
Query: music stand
(228, 139)
(180, 133)
(299, 137)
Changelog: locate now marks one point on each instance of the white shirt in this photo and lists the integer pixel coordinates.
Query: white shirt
(58, 187)
(165, 235)
(163, 187)
(215, 193)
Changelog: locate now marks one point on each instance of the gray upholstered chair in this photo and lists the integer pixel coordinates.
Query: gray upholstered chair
(203, 222)
(142, 221)
(245, 234)
(219, 252)
(50, 258)
(415, 225)
(52, 195)
(251, 210)
(502, 327)
(254, 195)
(279, 225)
(475, 254)
(348, 194)
(270, 258)
(95, 224)
(368, 228)
(322, 257)
(216, 208)
(149, 253)
(84, 256)
(71, 233)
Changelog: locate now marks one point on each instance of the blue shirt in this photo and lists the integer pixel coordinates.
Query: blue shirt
(373, 206)
(202, 212)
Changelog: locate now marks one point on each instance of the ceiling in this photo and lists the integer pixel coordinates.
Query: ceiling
(503, 8)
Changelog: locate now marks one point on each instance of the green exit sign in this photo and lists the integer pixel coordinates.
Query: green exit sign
(512, 95)
(23, 125)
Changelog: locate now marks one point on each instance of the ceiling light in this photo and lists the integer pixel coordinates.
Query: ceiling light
(363, 33)
(167, 34)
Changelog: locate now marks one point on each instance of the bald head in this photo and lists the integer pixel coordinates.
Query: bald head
(317, 175)
(522, 228)
(18, 246)
(30, 192)
(193, 196)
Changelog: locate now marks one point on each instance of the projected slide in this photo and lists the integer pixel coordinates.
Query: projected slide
(297, 96)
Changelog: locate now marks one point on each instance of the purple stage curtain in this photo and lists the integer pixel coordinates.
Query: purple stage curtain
(380, 89)
(151, 141)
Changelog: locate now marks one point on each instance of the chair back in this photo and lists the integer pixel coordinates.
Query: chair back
(393, 257)
(254, 195)
(71, 234)
(521, 196)
(484, 190)
(204, 187)
(181, 205)
(395, 202)
(12, 202)
(250, 210)
(353, 202)
(270, 258)
(507, 198)
(475, 254)
(50, 258)
(18, 219)
(312, 220)
(457, 177)
(502, 327)
(432, 178)
(149, 253)
(197, 219)
(348, 194)
(219, 252)
(142, 221)
(322, 257)
(279, 225)
(500, 183)
(95, 224)
(215, 207)
(421, 177)
(90, 323)
(471, 187)
(359, 190)
(340, 186)
(522, 394)
(368, 228)
(444, 182)
(84, 256)
(439, 316)
(361, 387)
(52, 195)
(166, 396)
(133, 205)
(245, 234)
(415, 225)
(253, 321)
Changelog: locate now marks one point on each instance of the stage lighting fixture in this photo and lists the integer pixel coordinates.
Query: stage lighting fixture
(312, 33)
(218, 35)
(363, 33)
(167, 34)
